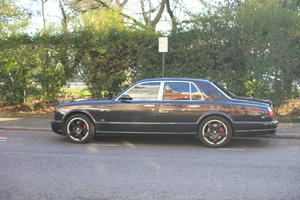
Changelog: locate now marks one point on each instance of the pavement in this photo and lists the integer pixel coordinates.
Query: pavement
(42, 122)
(41, 165)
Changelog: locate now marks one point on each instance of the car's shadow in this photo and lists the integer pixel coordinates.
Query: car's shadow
(176, 140)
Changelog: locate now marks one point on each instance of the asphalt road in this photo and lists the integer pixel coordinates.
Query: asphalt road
(43, 165)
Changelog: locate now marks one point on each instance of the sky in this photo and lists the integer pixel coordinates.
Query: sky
(133, 7)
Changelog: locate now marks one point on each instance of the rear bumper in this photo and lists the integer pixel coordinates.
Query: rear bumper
(56, 127)
(255, 127)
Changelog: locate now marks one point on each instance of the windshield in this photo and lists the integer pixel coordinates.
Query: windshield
(230, 94)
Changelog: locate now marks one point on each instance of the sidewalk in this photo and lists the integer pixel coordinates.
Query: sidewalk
(43, 123)
(26, 122)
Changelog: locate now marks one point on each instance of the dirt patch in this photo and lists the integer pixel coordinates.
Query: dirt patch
(36, 107)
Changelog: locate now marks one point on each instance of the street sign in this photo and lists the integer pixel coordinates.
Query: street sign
(163, 44)
(163, 48)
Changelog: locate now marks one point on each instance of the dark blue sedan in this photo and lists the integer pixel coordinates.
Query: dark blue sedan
(167, 105)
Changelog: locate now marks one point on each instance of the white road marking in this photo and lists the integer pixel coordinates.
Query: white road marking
(228, 149)
(110, 145)
(2, 139)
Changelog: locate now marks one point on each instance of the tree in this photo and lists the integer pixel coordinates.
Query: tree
(12, 18)
(147, 13)
(109, 51)
(82, 6)
(43, 12)
(251, 47)
(171, 15)
(14, 69)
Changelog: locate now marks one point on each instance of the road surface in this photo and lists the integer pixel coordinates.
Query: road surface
(42, 165)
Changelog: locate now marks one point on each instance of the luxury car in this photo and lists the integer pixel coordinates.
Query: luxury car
(167, 106)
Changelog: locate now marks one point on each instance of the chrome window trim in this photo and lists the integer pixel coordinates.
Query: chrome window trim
(198, 91)
(161, 90)
(133, 86)
(190, 85)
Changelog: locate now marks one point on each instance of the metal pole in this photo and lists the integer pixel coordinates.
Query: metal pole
(163, 64)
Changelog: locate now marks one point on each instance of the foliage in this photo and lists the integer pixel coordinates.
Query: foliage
(109, 50)
(252, 47)
(14, 69)
(12, 18)
(16, 72)
(238, 42)
(101, 50)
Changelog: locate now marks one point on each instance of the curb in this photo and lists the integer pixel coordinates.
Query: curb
(274, 136)
(25, 129)
(286, 136)
(48, 129)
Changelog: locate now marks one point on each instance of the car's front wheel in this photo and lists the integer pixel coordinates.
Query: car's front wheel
(79, 128)
(215, 131)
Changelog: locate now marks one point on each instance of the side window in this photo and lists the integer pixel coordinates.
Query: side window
(145, 91)
(195, 93)
(209, 92)
(176, 91)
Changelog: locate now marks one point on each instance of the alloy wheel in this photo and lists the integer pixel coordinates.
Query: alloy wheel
(214, 132)
(78, 129)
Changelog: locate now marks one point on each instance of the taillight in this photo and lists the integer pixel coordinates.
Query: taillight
(271, 113)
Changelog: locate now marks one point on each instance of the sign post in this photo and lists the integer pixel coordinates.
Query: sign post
(163, 48)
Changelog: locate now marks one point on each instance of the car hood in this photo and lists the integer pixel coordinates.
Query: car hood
(253, 101)
(84, 102)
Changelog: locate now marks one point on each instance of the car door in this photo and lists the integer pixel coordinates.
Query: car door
(136, 115)
(180, 106)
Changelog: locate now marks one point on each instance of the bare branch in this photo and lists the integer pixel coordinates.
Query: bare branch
(121, 4)
(159, 14)
(171, 14)
(64, 15)
(146, 18)
(43, 12)
(103, 4)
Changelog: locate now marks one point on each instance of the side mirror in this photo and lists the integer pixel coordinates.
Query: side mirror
(125, 97)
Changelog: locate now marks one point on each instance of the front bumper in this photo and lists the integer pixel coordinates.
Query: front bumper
(56, 127)
(255, 127)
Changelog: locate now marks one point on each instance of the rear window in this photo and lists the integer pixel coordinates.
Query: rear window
(209, 92)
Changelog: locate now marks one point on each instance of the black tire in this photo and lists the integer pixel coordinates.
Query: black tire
(215, 131)
(79, 128)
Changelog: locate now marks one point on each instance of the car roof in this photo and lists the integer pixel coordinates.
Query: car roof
(173, 79)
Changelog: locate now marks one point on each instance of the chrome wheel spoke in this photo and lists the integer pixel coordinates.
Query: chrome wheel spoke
(207, 134)
(222, 134)
(209, 126)
(79, 136)
(215, 140)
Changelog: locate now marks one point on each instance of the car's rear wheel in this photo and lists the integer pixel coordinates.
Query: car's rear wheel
(79, 128)
(215, 131)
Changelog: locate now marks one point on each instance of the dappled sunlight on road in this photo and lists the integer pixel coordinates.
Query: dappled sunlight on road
(152, 164)
(129, 144)
(93, 148)
(3, 119)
